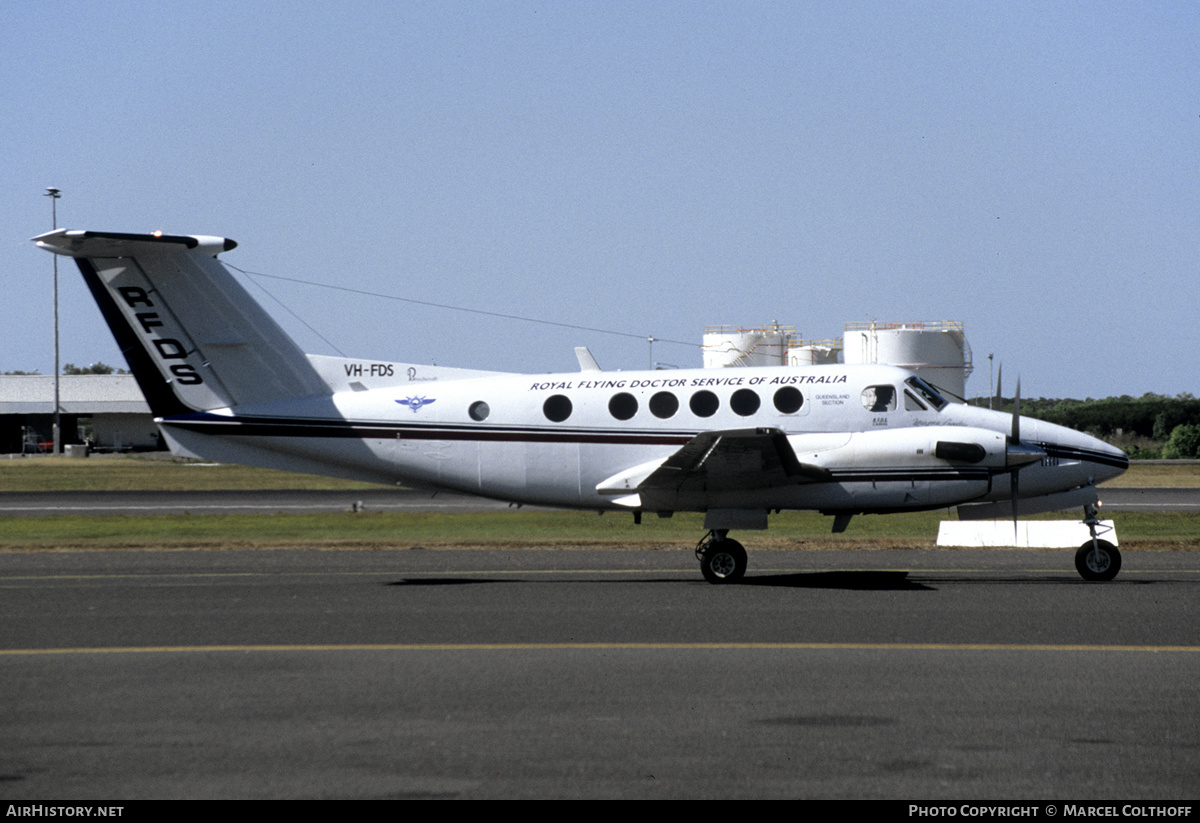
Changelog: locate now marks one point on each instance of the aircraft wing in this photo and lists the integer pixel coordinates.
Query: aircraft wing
(715, 461)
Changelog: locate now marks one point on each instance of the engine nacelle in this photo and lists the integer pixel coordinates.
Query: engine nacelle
(929, 447)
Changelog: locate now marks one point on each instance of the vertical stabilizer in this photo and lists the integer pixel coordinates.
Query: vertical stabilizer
(193, 337)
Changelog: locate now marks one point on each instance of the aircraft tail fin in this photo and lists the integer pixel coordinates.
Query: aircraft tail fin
(193, 337)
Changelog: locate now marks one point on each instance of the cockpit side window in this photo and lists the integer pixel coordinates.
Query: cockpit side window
(911, 403)
(926, 392)
(879, 398)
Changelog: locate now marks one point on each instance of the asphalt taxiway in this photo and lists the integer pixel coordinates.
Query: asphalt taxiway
(552, 673)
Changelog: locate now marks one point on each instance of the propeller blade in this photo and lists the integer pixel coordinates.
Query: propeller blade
(1018, 455)
(1016, 421)
(1015, 496)
(999, 380)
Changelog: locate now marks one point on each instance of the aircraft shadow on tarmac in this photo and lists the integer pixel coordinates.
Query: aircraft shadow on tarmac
(851, 580)
(867, 580)
(899, 580)
(445, 581)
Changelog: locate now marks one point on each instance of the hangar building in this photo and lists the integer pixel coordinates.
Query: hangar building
(107, 410)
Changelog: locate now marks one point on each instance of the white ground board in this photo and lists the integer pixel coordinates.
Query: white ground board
(1032, 534)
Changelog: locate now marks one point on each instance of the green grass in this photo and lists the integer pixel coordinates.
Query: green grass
(1149, 475)
(133, 473)
(512, 529)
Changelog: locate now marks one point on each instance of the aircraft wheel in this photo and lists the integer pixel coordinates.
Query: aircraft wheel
(723, 561)
(1101, 563)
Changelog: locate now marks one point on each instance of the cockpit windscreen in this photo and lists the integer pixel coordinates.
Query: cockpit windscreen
(928, 392)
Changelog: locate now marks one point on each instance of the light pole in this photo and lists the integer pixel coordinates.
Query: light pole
(54, 194)
(991, 391)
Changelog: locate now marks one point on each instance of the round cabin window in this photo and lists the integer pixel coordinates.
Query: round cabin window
(664, 405)
(623, 406)
(789, 400)
(744, 402)
(557, 407)
(704, 404)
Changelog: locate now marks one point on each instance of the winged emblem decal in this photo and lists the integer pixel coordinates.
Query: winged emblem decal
(416, 403)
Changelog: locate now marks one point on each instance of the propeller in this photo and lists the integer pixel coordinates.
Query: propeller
(1018, 455)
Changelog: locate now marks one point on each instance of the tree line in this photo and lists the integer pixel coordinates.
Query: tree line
(72, 369)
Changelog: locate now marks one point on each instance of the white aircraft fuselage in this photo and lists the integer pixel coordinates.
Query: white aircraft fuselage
(227, 384)
(423, 432)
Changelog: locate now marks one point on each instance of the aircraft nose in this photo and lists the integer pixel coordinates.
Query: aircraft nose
(1116, 460)
(1104, 460)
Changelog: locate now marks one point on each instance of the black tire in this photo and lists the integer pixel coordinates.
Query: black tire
(723, 561)
(1102, 564)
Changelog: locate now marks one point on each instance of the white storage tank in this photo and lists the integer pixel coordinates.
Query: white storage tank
(936, 350)
(813, 352)
(727, 346)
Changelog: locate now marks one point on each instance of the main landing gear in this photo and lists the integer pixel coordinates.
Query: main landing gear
(721, 560)
(1096, 560)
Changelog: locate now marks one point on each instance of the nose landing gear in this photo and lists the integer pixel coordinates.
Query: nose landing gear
(1097, 560)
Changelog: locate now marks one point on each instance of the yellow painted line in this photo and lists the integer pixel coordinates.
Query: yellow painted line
(417, 647)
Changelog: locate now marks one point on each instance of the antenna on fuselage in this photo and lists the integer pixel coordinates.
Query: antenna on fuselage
(586, 361)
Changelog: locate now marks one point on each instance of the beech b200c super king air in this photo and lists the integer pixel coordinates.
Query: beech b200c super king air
(226, 383)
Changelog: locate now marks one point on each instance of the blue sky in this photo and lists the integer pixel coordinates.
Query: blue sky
(649, 168)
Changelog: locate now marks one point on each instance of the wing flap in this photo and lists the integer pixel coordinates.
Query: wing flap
(733, 460)
(716, 462)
